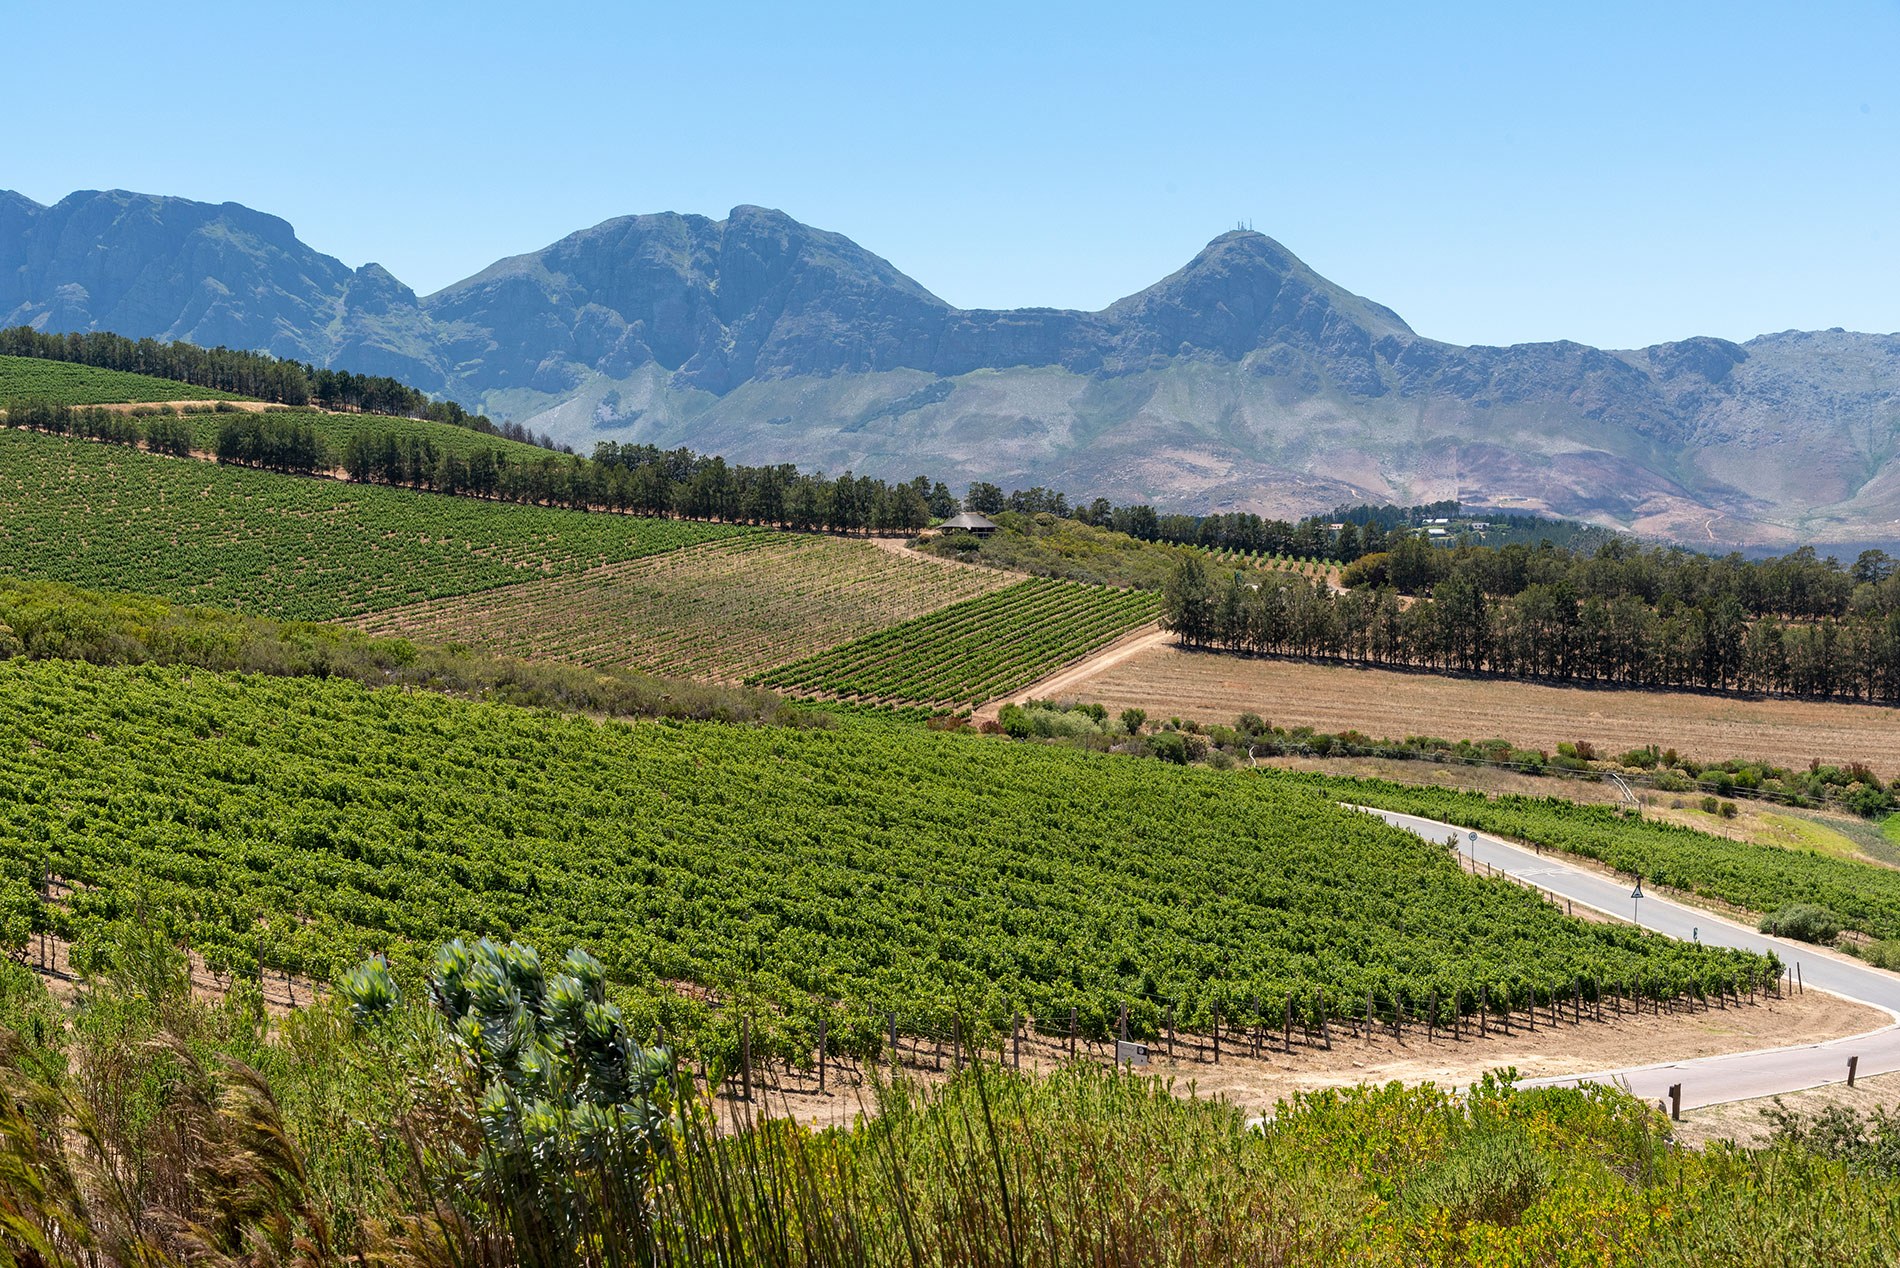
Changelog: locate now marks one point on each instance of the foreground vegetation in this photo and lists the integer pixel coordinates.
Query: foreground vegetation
(800, 876)
(518, 1116)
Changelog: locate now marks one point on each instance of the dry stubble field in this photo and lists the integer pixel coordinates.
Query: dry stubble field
(1215, 687)
(720, 611)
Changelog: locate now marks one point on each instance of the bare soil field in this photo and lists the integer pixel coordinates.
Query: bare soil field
(1255, 1078)
(719, 611)
(1215, 687)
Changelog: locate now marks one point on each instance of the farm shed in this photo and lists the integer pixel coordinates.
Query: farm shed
(970, 522)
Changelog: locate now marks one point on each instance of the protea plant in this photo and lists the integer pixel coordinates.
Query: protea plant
(571, 1109)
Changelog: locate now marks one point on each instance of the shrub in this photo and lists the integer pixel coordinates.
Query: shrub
(1883, 955)
(1804, 922)
(1729, 810)
(1710, 805)
(963, 541)
(1132, 719)
(1868, 801)
(1169, 747)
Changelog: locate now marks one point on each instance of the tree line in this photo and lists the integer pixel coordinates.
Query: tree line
(255, 374)
(646, 480)
(1549, 631)
(1801, 585)
(159, 429)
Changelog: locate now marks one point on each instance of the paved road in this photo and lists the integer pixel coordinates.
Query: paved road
(1705, 1080)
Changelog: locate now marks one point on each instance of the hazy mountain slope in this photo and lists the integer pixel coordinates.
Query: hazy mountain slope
(171, 268)
(1244, 380)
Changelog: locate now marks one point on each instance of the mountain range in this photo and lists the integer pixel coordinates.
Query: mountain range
(1244, 381)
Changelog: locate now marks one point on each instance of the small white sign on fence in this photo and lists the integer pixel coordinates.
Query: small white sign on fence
(1132, 1053)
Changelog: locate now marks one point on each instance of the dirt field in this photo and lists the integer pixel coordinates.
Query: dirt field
(1256, 1083)
(1213, 687)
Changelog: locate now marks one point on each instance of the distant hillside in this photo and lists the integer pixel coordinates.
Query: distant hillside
(1245, 381)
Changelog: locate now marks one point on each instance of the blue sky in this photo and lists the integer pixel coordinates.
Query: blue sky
(1617, 174)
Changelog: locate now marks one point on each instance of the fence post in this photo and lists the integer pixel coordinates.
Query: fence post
(1170, 1030)
(1853, 1068)
(956, 1042)
(1286, 1024)
(1576, 1013)
(1431, 1019)
(1675, 1101)
(1800, 987)
(896, 1058)
(1121, 1023)
(1071, 1032)
(821, 1054)
(1016, 1039)
(1371, 1023)
(1325, 1031)
(1216, 1032)
(745, 1056)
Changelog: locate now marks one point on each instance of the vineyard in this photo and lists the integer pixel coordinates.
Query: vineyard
(338, 430)
(1757, 878)
(66, 383)
(303, 823)
(722, 611)
(975, 650)
(108, 517)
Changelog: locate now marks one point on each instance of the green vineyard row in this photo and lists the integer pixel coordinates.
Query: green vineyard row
(976, 650)
(304, 823)
(106, 516)
(64, 383)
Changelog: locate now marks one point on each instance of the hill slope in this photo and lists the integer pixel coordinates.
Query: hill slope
(1243, 381)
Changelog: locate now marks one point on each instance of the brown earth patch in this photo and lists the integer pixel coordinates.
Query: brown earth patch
(1214, 687)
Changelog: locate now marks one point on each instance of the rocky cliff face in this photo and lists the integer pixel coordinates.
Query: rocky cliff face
(171, 268)
(1245, 380)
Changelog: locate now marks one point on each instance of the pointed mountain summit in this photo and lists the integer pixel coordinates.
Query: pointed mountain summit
(1244, 380)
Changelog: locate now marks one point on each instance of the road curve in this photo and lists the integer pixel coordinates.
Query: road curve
(1705, 1080)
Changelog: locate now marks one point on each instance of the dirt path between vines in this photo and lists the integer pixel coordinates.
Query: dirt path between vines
(1133, 643)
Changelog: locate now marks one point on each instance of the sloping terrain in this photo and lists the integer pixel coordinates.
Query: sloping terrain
(722, 610)
(270, 545)
(1243, 381)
